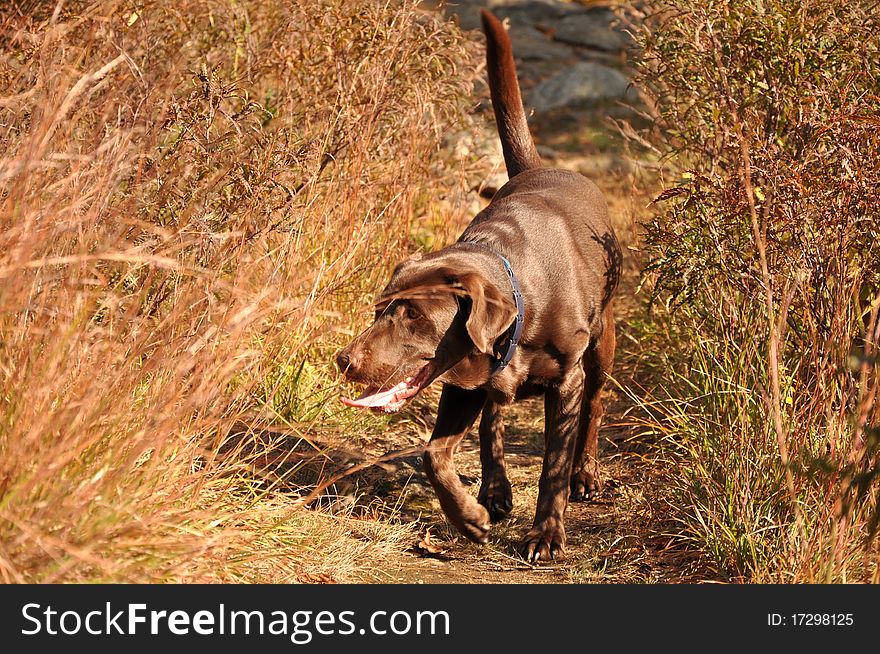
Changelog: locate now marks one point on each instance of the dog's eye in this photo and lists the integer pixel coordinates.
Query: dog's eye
(411, 312)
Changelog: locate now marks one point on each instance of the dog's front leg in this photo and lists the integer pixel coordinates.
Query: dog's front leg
(495, 491)
(456, 414)
(546, 539)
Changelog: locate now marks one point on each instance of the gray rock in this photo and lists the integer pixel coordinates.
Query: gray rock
(583, 83)
(591, 29)
(520, 12)
(530, 44)
(529, 12)
(466, 12)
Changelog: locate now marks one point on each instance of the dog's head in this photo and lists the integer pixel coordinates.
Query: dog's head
(436, 312)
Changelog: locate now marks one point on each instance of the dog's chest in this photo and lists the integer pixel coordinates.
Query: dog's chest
(532, 371)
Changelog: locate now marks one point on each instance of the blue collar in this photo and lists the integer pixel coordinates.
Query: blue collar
(504, 352)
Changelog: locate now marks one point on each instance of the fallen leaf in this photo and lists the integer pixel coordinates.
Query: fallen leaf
(428, 546)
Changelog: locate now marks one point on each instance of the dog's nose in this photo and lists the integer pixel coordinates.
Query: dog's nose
(343, 360)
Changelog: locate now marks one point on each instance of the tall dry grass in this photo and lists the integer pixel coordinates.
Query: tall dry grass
(195, 197)
(764, 256)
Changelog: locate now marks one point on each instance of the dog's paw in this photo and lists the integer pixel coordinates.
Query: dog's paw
(585, 486)
(496, 495)
(472, 520)
(543, 544)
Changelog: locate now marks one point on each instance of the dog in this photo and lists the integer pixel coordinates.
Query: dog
(521, 305)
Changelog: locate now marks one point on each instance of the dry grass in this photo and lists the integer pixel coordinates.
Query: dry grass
(195, 196)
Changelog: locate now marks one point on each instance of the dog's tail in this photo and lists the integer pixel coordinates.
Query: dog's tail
(519, 149)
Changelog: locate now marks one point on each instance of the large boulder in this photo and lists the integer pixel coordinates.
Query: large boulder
(583, 83)
(590, 29)
(531, 44)
(531, 12)
(520, 12)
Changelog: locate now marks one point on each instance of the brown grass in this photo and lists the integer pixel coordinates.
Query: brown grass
(195, 196)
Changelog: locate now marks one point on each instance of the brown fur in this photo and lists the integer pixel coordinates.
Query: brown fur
(452, 306)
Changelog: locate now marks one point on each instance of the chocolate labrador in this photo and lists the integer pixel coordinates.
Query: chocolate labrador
(520, 305)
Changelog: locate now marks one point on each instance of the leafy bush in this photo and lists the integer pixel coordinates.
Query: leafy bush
(766, 248)
(194, 193)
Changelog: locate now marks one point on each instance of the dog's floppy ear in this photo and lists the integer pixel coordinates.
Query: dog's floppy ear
(492, 311)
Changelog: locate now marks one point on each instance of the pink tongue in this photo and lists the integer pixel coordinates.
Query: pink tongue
(378, 400)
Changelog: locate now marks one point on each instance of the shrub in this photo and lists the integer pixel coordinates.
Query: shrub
(765, 248)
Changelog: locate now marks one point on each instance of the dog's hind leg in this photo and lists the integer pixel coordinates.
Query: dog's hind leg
(585, 479)
(495, 491)
(456, 414)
